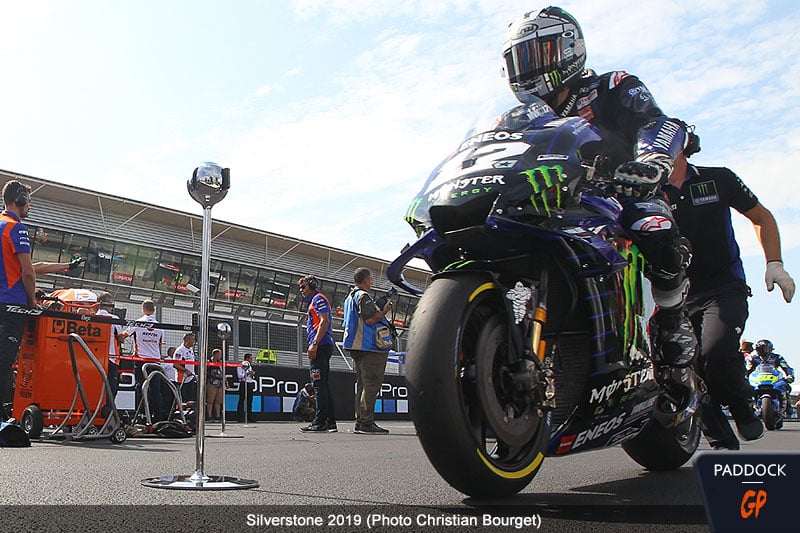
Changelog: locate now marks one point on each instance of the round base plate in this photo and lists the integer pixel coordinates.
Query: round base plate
(211, 483)
(224, 435)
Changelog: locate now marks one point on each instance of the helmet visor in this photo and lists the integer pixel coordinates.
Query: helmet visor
(534, 57)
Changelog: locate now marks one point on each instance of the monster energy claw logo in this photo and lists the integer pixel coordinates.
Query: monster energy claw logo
(704, 193)
(555, 77)
(411, 209)
(544, 179)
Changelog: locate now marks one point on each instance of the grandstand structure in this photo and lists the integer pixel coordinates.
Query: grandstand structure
(139, 251)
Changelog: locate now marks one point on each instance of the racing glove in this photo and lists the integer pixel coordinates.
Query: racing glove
(75, 263)
(641, 178)
(776, 274)
(789, 379)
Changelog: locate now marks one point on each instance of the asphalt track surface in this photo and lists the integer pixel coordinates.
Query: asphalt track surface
(339, 480)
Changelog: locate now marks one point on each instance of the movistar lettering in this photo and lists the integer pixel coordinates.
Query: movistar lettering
(544, 179)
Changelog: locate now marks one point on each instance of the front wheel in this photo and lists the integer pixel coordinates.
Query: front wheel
(661, 448)
(768, 413)
(482, 432)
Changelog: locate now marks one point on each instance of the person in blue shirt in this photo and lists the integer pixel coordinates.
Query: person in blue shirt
(320, 350)
(17, 280)
(701, 199)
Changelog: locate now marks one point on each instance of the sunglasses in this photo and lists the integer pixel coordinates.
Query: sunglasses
(303, 287)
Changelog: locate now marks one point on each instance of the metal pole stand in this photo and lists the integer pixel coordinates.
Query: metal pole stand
(224, 332)
(208, 185)
(247, 400)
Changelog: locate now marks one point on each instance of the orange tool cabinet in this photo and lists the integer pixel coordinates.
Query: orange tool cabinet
(45, 383)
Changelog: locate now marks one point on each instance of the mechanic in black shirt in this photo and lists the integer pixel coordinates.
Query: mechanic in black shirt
(701, 199)
(545, 55)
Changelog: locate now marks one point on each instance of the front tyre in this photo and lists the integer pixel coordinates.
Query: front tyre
(481, 431)
(768, 413)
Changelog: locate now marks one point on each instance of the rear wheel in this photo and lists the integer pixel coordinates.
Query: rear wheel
(483, 434)
(32, 421)
(768, 413)
(660, 448)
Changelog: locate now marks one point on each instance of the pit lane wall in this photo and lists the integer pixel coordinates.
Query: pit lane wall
(277, 388)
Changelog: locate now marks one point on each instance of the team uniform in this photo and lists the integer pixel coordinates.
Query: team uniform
(15, 240)
(187, 378)
(148, 343)
(319, 367)
(718, 293)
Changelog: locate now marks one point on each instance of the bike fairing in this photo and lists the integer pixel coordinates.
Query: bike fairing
(576, 218)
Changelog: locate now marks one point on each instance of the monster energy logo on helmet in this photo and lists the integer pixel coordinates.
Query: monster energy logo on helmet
(543, 179)
(555, 78)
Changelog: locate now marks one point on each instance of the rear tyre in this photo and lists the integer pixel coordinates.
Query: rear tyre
(768, 413)
(660, 448)
(32, 421)
(483, 435)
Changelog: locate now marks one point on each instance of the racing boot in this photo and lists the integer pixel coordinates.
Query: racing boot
(716, 427)
(748, 424)
(674, 350)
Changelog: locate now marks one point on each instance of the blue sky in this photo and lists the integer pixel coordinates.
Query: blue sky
(331, 114)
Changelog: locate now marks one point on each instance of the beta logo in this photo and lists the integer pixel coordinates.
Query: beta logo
(66, 327)
(752, 502)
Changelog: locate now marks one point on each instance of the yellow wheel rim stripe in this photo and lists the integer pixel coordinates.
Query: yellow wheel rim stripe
(512, 475)
(482, 288)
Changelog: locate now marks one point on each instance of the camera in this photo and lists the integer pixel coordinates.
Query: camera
(381, 302)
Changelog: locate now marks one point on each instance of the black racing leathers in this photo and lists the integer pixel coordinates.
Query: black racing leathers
(632, 125)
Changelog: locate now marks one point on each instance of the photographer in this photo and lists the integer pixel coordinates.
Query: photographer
(368, 339)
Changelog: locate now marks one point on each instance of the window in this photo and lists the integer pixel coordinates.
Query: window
(262, 294)
(247, 284)
(284, 291)
(72, 247)
(144, 275)
(339, 293)
(191, 275)
(99, 256)
(168, 272)
(123, 263)
(46, 245)
(229, 287)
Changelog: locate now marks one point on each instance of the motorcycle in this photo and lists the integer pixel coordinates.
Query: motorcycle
(532, 338)
(772, 390)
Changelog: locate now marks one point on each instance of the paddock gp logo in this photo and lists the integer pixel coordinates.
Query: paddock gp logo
(748, 491)
(66, 327)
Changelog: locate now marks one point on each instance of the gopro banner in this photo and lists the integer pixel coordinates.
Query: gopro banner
(748, 491)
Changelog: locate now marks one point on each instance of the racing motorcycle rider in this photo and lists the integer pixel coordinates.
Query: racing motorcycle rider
(545, 55)
(764, 354)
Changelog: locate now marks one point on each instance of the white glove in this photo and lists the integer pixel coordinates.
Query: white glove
(776, 274)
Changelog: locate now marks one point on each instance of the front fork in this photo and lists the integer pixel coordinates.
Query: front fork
(527, 312)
